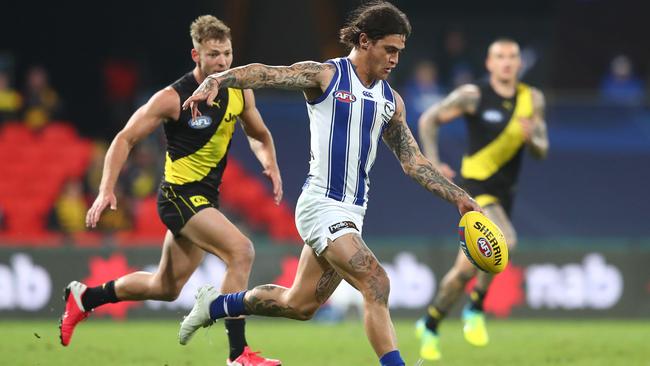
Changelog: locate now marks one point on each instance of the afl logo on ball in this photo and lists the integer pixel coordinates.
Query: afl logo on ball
(484, 247)
(200, 122)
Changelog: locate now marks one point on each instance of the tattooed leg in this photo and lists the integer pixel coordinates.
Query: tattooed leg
(352, 259)
(315, 282)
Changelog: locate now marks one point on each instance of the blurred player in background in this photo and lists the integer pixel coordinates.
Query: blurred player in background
(503, 116)
(188, 199)
(350, 105)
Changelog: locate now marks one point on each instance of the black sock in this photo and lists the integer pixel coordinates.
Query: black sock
(100, 295)
(236, 330)
(434, 317)
(476, 298)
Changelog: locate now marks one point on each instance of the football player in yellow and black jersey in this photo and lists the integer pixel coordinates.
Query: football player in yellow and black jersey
(188, 197)
(504, 117)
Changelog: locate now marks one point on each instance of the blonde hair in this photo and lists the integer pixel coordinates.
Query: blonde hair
(208, 27)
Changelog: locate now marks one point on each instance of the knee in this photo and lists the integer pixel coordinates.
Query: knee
(376, 287)
(462, 274)
(169, 293)
(243, 256)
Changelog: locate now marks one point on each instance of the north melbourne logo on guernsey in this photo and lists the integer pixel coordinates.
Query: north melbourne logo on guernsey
(344, 96)
(200, 122)
(342, 225)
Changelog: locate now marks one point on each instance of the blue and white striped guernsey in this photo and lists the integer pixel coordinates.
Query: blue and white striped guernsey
(346, 123)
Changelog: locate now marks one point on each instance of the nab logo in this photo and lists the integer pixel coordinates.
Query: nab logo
(367, 94)
(484, 247)
(343, 96)
(200, 122)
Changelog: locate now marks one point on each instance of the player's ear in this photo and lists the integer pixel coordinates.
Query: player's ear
(195, 55)
(364, 41)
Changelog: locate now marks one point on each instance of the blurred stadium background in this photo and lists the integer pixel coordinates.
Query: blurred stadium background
(71, 74)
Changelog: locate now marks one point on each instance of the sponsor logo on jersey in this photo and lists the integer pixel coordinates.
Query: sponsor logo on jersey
(493, 116)
(484, 247)
(367, 94)
(200, 122)
(199, 201)
(344, 96)
(230, 118)
(343, 225)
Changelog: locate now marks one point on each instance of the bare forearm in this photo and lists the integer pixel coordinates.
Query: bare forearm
(264, 150)
(428, 132)
(253, 76)
(538, 144)
(115, 158)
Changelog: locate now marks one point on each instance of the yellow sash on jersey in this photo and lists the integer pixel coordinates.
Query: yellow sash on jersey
(196, 166)
(488, 160)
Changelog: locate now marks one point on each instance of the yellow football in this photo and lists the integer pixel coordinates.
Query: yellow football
(483, 242)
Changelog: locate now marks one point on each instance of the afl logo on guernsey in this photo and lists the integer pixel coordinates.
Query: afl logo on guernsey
(493, 116)
(344, 96)
(200, 122)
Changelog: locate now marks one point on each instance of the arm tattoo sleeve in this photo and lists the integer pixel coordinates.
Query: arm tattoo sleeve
(400, 140)
(297, 76)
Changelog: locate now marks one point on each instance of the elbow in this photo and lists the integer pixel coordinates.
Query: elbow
(425, 125)
(409, 169)
(123, 138)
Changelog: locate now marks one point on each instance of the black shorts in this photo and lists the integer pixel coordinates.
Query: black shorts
(178, 203)
(504, 194)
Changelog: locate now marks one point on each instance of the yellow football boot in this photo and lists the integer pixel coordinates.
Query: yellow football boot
(430, 342)
(474, 327)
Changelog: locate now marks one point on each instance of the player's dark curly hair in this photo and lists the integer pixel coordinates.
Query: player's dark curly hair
(377, 19)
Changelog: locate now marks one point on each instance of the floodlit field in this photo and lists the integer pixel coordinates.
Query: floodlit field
(525, 343)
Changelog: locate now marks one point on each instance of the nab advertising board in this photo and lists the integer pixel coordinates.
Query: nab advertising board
(537, 283)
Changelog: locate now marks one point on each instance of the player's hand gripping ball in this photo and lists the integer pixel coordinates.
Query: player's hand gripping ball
(483, 242)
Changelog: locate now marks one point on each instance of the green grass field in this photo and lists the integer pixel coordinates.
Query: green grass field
(527, 343)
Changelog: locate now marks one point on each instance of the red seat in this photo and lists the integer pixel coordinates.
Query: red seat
(59, 132)
(16, 133)
(148, 229)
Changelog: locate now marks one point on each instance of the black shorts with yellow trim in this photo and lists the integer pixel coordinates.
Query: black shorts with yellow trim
(486, 194)
(178, 203)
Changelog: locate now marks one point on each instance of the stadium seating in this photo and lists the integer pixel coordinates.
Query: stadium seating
(38, 163)
(247, 196)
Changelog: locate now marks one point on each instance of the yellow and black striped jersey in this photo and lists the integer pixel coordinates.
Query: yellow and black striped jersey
(197, 149)
(496, 141)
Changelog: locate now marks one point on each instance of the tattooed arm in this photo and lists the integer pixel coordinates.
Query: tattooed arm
(537, 140)
(462, 100)
(399, 139)
(309, 76)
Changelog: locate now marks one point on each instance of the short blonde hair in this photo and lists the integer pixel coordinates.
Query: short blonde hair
(208, 27)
